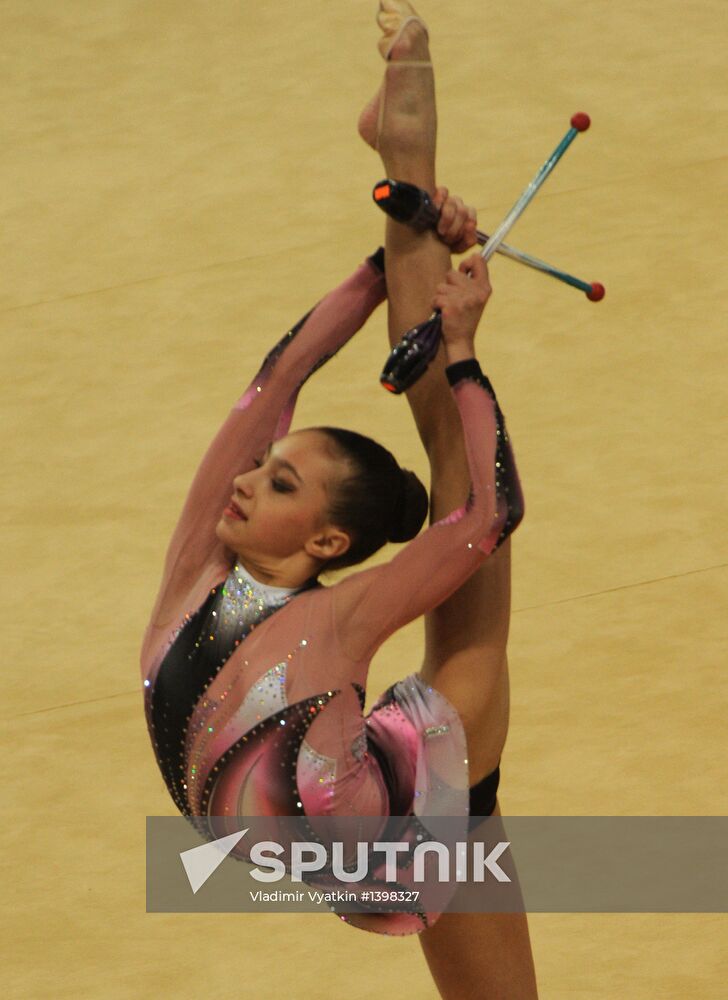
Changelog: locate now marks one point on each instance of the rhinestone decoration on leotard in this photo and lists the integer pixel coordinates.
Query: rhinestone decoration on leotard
(268, 737)
(359, 745)
(315, 767)
(436, 731)
(508, 488)
(265, 696)
(201, 646)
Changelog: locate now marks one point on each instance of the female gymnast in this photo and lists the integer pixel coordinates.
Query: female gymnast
(254, 673)
(469, 954)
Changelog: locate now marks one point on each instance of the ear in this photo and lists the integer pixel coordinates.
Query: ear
(328, 544)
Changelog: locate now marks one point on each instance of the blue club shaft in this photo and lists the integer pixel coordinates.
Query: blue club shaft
(528, 195)
(538, 265)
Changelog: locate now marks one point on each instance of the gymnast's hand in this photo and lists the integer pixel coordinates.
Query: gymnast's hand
(461, 298)
(458, 222)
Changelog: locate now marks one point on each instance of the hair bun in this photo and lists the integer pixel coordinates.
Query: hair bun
(410, 508)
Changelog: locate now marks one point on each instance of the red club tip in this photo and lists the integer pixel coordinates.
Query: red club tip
(597, 291)
(580, 121)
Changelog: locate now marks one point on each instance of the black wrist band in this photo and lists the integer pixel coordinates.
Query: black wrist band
(469, 368)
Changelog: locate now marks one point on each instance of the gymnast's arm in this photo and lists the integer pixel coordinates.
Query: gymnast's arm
(263, 414)
(371, 605)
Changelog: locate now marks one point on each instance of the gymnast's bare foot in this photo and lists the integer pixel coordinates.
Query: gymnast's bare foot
(401, 121)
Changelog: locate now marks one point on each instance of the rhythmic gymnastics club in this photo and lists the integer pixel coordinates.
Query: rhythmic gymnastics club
(579, 123)
(411, 357)
(413, 206)
(594, 292)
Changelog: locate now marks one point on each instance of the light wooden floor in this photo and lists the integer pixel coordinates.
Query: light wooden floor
(180, 182)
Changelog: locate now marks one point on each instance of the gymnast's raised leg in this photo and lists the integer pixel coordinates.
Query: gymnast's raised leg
(473, 955)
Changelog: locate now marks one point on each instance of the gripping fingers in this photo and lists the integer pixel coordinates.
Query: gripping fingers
(440, 197)
(477, 269)
(457, 223)
(461, 299)
(453, 217)
(469, 235)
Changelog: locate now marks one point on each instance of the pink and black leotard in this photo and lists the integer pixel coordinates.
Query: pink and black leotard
(254, 695)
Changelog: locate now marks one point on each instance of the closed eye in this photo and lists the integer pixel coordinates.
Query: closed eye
(278, 484)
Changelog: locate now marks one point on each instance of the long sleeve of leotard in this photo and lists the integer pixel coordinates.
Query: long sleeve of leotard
(371, 605)
(262, 414)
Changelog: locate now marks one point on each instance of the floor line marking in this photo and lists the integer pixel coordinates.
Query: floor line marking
(515, 611)
(625, 586)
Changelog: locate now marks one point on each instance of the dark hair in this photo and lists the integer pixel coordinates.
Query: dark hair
(377, 502)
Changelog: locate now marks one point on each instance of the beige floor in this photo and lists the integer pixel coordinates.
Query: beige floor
(180, 181)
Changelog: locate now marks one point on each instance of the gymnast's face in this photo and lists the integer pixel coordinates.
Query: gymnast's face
(280, 508)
